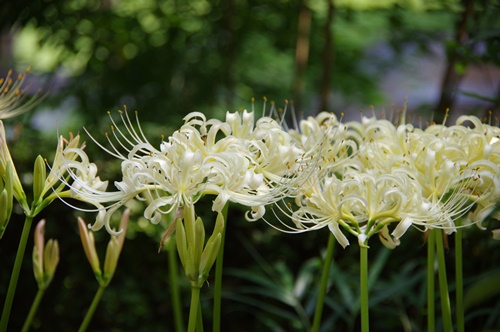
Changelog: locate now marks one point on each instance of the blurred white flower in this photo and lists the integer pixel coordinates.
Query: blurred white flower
(13, 98)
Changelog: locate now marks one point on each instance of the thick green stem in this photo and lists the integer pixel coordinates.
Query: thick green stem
(193, 310)
(443, 284)
(174, 285)
(199, 320)
(323, 284)
(15, 274)
(363, 263)
(93, 307)
(459, 281)
(431, 248)
(218, 276)
(33, 310)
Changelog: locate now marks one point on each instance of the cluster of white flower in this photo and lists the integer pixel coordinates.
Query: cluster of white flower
(240, 160)
(357, 177)
(398, 174)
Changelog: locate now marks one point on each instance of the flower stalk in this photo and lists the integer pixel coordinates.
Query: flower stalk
(443, 283)
(323, 283)
(15, 274)
(113, 251)
(218, 275)
(363, 276)
(93, 306)
(174, 284)
(431, 249)
(194, 308)
(45, 261)
(33, 309)
(459, 281)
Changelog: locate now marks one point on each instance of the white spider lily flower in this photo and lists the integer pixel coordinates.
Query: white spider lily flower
(382, 146)
(190, 164)
(242, 127)
(446, 179)
(329, 139)
(13, 98)
(361, 204)
(370, 203)
(71, 175)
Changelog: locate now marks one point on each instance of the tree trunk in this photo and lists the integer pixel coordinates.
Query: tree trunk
(452, 78)
(301, 53)
(229, 49)
(327, 58)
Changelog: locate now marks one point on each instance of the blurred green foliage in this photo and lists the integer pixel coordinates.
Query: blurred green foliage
(168, 58)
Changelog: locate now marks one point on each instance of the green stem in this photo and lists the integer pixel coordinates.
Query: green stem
(174, 285)
(15, 274)
(199, 320)
(431, 248)
(193, 310)
(365, 322)
(218, 276)
(443, 284)
(33, 310)
(93, 307)
(323, 283)
(459, 281)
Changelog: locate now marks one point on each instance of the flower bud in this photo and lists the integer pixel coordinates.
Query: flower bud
(111, 260)
(51, 256)
(212, 247)
(45, 257)
(114, 249)
(197, 257)
(39, 175)
(38, 252)
(88, 243)
(6, 202)
(8, 171)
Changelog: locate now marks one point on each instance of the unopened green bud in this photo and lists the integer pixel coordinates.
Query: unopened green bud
(39, 175)
(180, 239)
(17, 189)
(114, 249)
(51, 256)
(111, 260)
(8, 171)
(199, 241)
(197, 257)
(210, 255)
(45, 257)
(6, 202)
(89, 247)
(38, 249)
(212, 247)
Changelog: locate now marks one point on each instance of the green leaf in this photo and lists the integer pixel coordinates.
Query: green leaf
(486, 287)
